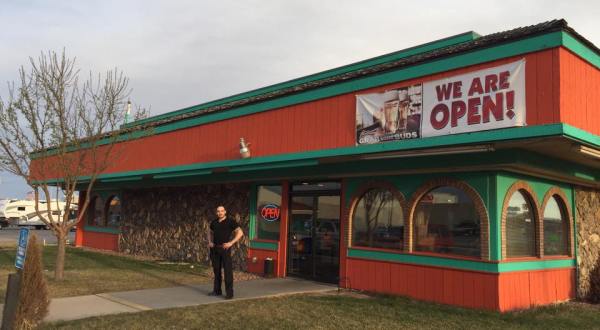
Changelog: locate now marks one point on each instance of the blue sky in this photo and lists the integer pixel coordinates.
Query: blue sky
(181, 53)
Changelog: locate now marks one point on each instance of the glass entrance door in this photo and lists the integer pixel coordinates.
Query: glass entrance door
(314, 236)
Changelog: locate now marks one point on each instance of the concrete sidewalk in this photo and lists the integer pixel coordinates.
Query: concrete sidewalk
(73, 308)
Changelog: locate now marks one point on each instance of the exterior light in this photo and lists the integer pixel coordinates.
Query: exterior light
(244, 150)
(587, 151)
(431, 152)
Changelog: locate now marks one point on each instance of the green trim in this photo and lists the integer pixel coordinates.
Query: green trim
(420, 49)
(460, 263)
(304, 158)
(535, 265)
(252, 209)
(580, 49)
(263, 245)
(177, 175)
(106, 230)
(129, 178)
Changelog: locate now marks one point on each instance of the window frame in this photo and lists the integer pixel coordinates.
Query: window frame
(91, 211)
(107, 208)
(356, 197)
(479, 208)
(560, 195)
(525, 189)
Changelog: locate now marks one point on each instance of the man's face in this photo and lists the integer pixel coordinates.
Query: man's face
(221, 212)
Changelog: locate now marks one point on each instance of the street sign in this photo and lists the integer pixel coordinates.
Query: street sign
(22, 248)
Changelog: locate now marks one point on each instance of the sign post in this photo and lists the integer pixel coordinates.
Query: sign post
(14, 282)
(22, 248)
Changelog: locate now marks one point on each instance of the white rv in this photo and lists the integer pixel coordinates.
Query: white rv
(22, 212)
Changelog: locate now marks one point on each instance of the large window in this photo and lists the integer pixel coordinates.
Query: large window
(378, 220)
(268, 212)
(556, 227)
(95, 212)
(520, 226)
(446, 221)
(113, 212)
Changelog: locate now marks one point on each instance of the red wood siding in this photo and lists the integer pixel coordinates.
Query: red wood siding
(102, 241)
(257, 267)
(520, 290)
(580, 96)
(440, 285)
(322, 124)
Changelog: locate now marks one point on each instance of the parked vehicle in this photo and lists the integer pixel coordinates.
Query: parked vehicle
(22, 212)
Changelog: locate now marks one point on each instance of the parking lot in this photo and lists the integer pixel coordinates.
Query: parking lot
(11, 234)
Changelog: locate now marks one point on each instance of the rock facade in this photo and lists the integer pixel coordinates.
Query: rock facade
(170, 223)
(588, 240)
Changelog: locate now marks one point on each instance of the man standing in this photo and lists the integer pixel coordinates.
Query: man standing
(220, 243)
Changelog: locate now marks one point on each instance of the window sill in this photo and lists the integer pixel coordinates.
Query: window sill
(520, 259)
(421, 254)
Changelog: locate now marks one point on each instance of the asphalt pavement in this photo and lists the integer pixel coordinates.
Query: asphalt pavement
(11, 234)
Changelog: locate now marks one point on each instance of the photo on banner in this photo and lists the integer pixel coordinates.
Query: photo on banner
(388, 116)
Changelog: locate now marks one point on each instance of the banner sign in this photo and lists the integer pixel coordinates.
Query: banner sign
(482, 100)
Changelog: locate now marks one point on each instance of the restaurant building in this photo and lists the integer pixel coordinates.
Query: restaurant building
(463, 171)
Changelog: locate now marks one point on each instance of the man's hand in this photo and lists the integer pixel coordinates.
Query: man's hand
(211, 245)
(227, 245)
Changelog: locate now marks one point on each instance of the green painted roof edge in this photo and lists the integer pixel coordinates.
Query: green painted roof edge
(419, 49)
(582, 50)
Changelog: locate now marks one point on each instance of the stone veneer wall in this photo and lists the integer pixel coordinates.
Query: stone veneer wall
(170, 223)
(588, 239)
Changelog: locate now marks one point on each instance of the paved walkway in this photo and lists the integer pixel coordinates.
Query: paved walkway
(73, 308)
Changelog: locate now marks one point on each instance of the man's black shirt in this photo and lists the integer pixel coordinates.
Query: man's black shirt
(222, 230)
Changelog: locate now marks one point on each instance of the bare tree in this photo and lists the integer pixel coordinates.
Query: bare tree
(56, 130)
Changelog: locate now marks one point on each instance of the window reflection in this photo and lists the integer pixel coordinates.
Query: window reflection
(555, 227)
(378, 220)
(446, 221)
(520, 226)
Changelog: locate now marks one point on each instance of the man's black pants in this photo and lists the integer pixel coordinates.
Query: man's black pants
(221, 258)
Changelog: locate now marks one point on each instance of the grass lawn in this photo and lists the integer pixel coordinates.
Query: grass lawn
(343, 311)
(88, 272)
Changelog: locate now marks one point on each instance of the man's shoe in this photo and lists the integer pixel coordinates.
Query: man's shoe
(229, 297)
(215, 294)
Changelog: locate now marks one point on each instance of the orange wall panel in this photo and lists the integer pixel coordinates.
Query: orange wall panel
(102, 241)
(435, 284)
(521, 290)
(257, 266)
(579, 97)
(322, 124)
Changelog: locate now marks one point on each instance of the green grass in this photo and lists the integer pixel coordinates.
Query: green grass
(88, 272)
(345, 311)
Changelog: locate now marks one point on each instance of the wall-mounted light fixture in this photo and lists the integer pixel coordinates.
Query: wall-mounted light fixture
(244, 148)
(587, 151)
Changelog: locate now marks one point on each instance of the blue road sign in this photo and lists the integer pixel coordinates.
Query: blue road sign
(22, 248)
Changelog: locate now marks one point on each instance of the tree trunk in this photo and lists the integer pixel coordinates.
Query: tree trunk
(59, 270)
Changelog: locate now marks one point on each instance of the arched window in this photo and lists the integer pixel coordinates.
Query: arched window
(520, 226)
(95, 212)
(446, 221)
(378, 220)
(113, 212)
(556, 227)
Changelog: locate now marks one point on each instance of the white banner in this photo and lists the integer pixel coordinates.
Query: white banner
(482, 100)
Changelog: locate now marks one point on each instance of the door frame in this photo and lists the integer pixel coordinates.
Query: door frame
(312, 193)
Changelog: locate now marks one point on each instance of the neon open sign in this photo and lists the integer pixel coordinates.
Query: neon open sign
(270, 212)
